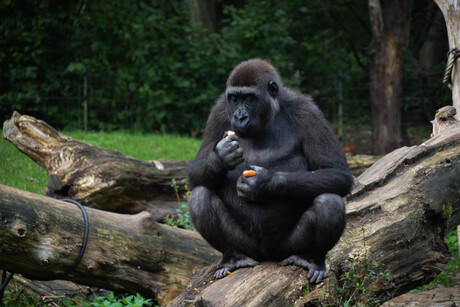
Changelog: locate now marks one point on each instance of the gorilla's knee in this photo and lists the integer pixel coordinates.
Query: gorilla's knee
(331, 208)
(329, 200)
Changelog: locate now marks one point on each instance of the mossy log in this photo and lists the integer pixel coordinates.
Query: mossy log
(41, 237)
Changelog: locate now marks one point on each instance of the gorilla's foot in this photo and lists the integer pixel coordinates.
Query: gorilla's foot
(228, 265)
(316, 272)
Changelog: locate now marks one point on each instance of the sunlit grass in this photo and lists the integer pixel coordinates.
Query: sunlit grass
(143, 146)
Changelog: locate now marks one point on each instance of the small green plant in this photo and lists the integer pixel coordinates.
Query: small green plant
(111, 301)
(357, 286)
(182, 211)
(18, 297)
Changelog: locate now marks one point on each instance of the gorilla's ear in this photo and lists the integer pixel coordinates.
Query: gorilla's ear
(273, 88)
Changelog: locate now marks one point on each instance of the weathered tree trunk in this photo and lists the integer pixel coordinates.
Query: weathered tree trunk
(97, 177)
(41, 237)
(451, 11)
(390, 35)
(395, 216)
(440, 297)
(103, 178)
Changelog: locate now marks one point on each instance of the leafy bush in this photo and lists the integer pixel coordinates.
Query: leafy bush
(357, 286)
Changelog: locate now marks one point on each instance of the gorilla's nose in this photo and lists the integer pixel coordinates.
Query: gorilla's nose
(241, 116)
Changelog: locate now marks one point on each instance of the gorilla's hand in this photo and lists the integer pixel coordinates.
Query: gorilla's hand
(254, 188)
(229, 152)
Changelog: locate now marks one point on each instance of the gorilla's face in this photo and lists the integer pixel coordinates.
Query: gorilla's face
(251, 108)
(243, 107)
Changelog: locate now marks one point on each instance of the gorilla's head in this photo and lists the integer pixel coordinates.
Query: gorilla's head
(252, 96)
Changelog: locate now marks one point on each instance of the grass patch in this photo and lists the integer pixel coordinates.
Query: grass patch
(143, 146)
(19, 171)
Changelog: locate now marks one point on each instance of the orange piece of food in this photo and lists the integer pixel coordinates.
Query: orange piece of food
(228, 272)
(230, 133)
(249, 173)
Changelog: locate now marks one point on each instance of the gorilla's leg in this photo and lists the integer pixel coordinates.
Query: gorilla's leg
(213, 221)
(317, 231)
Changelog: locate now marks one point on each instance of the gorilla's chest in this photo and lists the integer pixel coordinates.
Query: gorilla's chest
(274, 151)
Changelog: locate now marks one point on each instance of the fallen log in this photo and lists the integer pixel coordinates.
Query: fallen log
(103, 178)
(440, 297)
(397, 215)
(40, 237)
(96, 177)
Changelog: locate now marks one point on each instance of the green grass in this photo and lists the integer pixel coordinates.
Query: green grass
(19, 171)
(143, 146)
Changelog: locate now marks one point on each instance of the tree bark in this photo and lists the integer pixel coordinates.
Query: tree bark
(97, 177)
(451, 11)
(440, 297)
(390, 36)
(41, 237)
(395, 216)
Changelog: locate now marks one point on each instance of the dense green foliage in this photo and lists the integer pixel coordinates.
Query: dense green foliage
(150, 68)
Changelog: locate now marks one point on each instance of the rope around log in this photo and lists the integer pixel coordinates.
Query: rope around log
(5, 280)
(452, 57)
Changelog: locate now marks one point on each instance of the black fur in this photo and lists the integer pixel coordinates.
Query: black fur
(292, 210)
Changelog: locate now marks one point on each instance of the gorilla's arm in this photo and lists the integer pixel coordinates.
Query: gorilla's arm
(208, 169)
(327, 165)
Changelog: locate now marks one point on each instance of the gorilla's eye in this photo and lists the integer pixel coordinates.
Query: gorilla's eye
(249, 98)
(231, 98)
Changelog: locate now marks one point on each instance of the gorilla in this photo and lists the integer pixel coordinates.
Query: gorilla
(291, 211)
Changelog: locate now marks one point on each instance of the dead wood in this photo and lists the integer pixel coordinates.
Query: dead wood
(440, 297)
(40, 237)
(103, 178)
(97, 177)
(397, 215)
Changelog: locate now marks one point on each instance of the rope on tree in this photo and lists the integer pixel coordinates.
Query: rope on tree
(452, 57)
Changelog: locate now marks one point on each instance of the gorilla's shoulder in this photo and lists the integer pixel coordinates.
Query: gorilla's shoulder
(295, 101)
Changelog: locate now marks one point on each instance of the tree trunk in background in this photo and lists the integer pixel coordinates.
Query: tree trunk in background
(204, 11)
(451, 11)
(390, 35)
